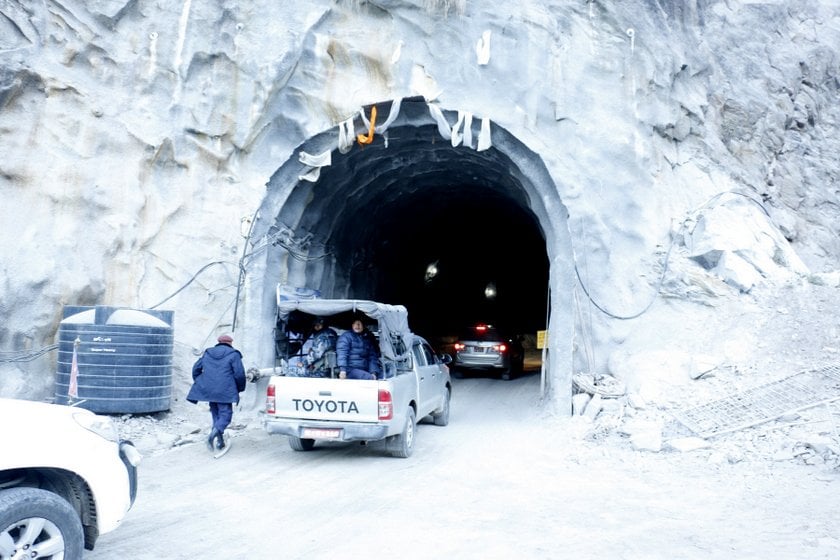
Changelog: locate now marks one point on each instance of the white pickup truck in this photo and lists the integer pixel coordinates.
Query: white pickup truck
(307, 409)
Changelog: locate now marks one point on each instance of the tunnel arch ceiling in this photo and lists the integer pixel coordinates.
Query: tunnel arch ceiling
(379, 214)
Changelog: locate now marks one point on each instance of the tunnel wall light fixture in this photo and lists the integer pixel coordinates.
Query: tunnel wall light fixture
(490, 290)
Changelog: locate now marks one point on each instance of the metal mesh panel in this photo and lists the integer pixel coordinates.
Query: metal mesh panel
(763, 403)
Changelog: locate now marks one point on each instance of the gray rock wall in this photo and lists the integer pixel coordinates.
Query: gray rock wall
(137, 138)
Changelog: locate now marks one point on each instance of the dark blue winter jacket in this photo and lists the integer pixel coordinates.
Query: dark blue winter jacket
(355, 351)
(218, 376)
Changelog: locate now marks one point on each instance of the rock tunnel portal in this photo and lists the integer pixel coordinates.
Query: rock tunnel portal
(455, 234)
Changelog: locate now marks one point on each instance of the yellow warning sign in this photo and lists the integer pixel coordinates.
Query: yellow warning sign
(541, 336)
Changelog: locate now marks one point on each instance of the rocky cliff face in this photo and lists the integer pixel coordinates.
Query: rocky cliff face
(681, 148)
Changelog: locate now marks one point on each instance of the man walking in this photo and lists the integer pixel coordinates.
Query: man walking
(218, 378)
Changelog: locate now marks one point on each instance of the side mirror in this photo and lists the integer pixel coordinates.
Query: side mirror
(446, 359)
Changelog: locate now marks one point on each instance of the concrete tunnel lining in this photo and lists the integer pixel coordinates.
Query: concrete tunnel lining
(372, 185)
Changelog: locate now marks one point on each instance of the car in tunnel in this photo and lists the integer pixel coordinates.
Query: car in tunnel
(483, 347)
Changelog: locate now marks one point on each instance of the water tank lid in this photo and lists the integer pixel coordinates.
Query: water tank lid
(83, 318)
(135, 317)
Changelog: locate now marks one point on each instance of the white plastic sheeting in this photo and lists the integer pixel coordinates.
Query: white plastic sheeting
(346, 135)
(443, 126)
(482, 49)
(465, 120)
(484, 140)
(392, 116)
(458, 134)
(454, 133)
(315, 162)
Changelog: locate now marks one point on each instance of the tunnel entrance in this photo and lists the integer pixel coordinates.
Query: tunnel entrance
(455, 234)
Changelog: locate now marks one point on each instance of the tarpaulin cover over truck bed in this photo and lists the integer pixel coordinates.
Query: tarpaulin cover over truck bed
(392, 320)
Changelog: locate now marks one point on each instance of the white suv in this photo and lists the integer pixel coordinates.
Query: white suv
(65, 479)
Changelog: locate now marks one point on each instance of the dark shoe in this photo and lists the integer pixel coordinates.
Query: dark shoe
(214, 433)
(220, 440)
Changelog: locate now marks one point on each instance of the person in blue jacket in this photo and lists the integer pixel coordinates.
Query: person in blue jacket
(357, 355)
(218, 378)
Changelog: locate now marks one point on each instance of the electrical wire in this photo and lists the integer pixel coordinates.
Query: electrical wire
(18, 356)
(190, 281)
(12, 357)
(659, 283)
(274, 239)
(242, 270)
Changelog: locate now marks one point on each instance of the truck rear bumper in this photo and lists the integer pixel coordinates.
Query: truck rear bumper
(347, 431)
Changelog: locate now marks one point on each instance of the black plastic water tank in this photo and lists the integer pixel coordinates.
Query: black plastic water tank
(124, 358)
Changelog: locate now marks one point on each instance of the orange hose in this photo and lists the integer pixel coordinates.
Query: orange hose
(368, 138)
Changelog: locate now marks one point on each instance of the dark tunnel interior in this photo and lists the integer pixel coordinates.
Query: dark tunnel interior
(488, 263)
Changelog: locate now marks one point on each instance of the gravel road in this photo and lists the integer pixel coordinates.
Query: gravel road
(503, 480)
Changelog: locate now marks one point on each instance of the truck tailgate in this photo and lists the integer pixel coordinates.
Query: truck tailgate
(344, 400)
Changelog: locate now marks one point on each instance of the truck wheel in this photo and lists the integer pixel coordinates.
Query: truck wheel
(40, 522)
(300, 444)
(442, 418)
(403, 444)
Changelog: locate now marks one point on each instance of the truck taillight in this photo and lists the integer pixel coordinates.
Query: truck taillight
(386, 405)
(270, 402)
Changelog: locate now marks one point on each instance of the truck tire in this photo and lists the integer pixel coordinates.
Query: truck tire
(442, 418)
(403, 444)
(301, 444)
(35, 519)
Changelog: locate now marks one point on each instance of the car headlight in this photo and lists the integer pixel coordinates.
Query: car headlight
(99, 425)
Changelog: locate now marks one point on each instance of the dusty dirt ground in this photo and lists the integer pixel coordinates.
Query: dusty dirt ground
(508, 479)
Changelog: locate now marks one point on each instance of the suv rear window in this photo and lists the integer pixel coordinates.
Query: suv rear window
(481, 334)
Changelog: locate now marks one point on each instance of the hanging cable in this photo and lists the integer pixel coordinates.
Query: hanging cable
(650, 303)
(659, 283)
(190, 281)
(241, 278)
(368, 138)
(17, 356)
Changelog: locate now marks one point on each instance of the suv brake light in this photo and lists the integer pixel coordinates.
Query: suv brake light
(386, 405)
(459, 346)
(502, 347)
(270, 400)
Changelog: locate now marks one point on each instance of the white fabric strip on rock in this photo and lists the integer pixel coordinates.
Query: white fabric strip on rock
(315, 162)
(484, 140)
(345, 136)
(482, 49)
(443, 126)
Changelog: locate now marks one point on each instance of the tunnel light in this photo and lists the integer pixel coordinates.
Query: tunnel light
(490, 291)
(431, 271)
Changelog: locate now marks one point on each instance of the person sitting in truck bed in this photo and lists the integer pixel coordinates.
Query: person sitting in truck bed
(322, 340)
(357, 356)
